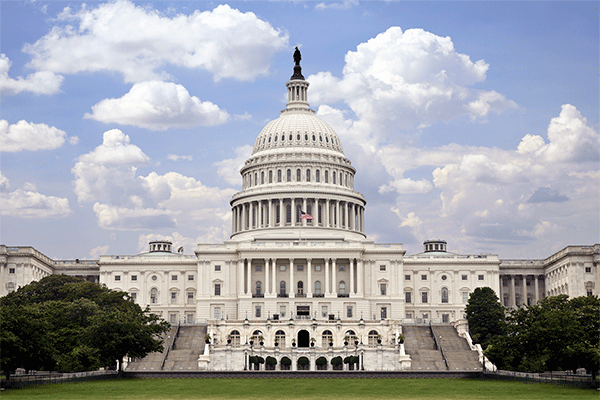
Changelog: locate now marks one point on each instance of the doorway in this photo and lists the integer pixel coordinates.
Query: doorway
(303, 338)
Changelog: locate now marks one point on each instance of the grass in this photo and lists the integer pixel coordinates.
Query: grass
(328, 389)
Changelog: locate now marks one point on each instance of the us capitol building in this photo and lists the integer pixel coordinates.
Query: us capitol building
(298, 276)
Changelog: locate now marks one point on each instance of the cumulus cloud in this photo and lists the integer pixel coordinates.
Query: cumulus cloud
(175, 157)
(96, 252)
(542, 195)
(158, 106)
(138, 41)
(229, 169)
(341, 5)
(40, 82)
(29, 136)
(26, 202)
(125, 200)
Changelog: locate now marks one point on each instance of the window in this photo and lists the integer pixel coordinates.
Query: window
(262, 178)
(318, 176)
(258, 268)
(173, 277)
(298, 175)
(190, 277)
(423, 297)
(278, 175)
(480, 277)
(444, 295)
(173, 297)
(383, 289)
(280, 338)
(299, 267)
(326, 338)
(317, 268)
(333, 177)
(324, 311)
(153, 296)
(257, 311)
(342, 268)
(173, 318)
(282, 291)
(308, 175)
(408, 297)
(288, 213)
(217, 313)
(217, 289)
(373, 336)
(326, 176)
(270, 176)
(289, 175)
(464, 277)
(349, 311)
(317, 287)
(465, 297)
(445, 318)
(190, 297)
(11, 270)
(382, 267)
(217, 268)
(134, 278)
(588, 269)
(282, 311)
(258, 288)
(300, 287)
(444, 277)
(342, 287)
(282, 267)
(407, 277)
(423, 277)
(408, 315)
(589, 292)
(425, 315)
(133, 295)
(234, 336)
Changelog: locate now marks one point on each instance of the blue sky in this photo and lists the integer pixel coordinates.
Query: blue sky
(473, 122)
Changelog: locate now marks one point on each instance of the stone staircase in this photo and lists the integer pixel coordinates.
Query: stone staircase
(189, 344)
(420, 346)
(456, 349)
(153, 361)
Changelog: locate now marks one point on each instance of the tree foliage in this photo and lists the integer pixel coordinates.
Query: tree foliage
(555, 334)
(67, 324)
(485, 315)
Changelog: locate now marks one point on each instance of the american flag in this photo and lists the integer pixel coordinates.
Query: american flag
(304, 215)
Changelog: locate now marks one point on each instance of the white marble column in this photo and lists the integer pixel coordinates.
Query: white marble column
(524, 283)
(537, 289)
(360, 277)
(513, 297)
(271, 219)
(248, 277)
(334, 285)
(326, 222)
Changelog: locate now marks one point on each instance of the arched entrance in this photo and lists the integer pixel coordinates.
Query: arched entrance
(303, 338)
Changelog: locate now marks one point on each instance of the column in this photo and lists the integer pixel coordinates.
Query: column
(243, 216)
(346, 214)
(327, 211)
(266, 288)
(309, 277)
(317, 214)
(292, 289)
(333, 276)
(303, 221)
(233, 219)
(537, 289)
(248, 277)
(351, 262)
(338, 220)
(259, 216)
(360, 276)
(281, 222)
(271, 224)
(524, 289)
(293, 211)
(327, 291)
(513, 300)
(353, 216)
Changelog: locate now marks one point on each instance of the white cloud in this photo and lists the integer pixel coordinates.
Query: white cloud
(158, 106)
(28, 203)
(29, 136)
(229, 169)
(96, 252)
(342, 5)
(138, 42)
(174, 157)
(41, 82)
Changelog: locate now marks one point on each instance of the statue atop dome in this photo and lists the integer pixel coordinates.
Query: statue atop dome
(297, 67)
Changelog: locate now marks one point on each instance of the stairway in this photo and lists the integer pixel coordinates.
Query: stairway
(419, 344)
(456, 349)
(153, 361)
(188, 345)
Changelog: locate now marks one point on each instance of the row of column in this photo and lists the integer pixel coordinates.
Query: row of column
(270, 276)
(272, 213)
(512, 292)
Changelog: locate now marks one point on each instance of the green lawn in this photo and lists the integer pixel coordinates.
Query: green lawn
(148, 389)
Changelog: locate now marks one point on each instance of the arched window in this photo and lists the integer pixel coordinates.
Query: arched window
(280, 338)
(234, 336)
(262, 177)
(270, 176)
(278, 175)
(351, 335)
(333, 177)
(300, 287)
(326, 176)
(282, 290)
(289, 175)
(318, 176)
(308, 175)
(154, 296)
(258, 288)
(277, 213)
(298, 175)
(10, 287)
(288, 213)
(256, 179)
(346, 177)
(342, 288)
(444, 295)
(317, 287)
(373, 335)
(326, 338)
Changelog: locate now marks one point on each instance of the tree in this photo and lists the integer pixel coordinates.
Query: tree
(67, 324)
(485, 315)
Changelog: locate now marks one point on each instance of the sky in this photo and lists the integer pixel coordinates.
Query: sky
(473, 122)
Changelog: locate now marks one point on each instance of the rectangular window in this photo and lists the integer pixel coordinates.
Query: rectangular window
(134, 277)
(190, 277)
(445, 318)
(11, 270)
(382, 267)
(407, 297)
(465, 297)
(258, 268)
(423, 297)
(324, 311)
(299, 267)
(117, 277)
(173, 277)
(480, 277)
(282, 267)
(349, 311)
(281, 311)
(425, 315)
(217, 312)
(173, 297)
(217, 289)
(464, 277)
(383, 312)
(588, 269)
(190, 297)
(257, 311)
(217, 268)
(407, 277)
(173, 318)
(383, 288)
(423, 277)
(504, 282)
(408, 315)
(317, 268)
(133, 296)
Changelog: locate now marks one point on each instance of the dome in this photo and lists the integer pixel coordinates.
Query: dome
(297, 128)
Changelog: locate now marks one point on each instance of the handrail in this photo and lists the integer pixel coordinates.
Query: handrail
(438, 346)
(170, 346)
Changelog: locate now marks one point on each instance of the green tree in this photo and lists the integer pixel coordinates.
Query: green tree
(485, 315)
